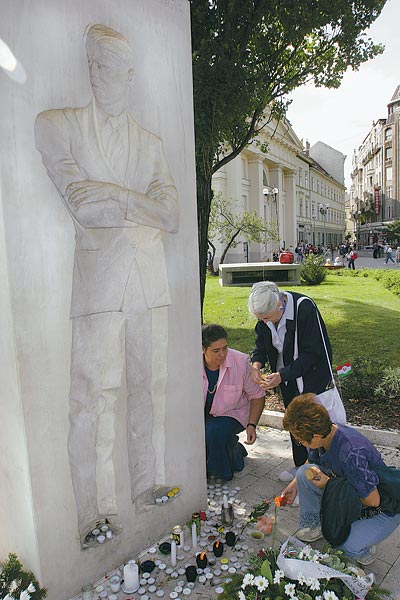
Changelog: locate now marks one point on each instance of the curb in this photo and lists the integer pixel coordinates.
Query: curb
(379, 437)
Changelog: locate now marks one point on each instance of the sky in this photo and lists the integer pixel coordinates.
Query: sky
(342, 118)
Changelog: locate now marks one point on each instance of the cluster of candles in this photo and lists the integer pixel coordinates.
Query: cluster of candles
(100, 534)
(217, 554)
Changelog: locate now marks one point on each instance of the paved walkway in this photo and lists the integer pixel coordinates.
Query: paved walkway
(366, 260)
(270, 455)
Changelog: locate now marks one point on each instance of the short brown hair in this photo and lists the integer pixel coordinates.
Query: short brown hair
(305, 417)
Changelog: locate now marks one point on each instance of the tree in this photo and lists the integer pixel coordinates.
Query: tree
(248, 55)
(393, 231)
(228, 221)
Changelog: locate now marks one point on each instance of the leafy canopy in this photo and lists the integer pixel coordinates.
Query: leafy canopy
(250, 55)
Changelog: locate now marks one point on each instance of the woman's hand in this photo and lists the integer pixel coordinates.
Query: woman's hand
(290, 492)
(272, 381)
(317, 476)
(255, 373)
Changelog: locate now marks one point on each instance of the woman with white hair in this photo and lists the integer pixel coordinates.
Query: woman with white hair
(289, 338)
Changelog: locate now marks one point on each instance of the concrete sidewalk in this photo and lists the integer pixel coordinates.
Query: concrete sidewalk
(271, 454)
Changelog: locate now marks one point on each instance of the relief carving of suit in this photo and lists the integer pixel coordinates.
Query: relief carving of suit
(120, 291)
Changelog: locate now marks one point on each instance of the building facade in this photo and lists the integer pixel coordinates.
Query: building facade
(286, 185)
(375, 178)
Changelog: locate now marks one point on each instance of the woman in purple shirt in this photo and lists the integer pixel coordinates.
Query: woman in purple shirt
(336, 451)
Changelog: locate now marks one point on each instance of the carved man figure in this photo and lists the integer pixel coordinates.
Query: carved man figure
(115, 183)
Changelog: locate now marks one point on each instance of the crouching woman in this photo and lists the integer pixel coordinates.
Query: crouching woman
(339, 487)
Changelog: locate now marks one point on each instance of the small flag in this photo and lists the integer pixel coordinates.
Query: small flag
(344, 370)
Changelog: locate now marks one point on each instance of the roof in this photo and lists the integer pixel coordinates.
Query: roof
(396, 95)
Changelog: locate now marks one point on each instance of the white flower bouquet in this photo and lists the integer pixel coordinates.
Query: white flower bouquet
(299, 572)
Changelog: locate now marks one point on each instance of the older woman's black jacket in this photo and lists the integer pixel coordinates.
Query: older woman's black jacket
(311, 364)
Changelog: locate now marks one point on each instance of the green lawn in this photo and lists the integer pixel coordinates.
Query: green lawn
(362, 317)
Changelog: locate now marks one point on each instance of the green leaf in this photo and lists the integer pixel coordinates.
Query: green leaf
(266, 570)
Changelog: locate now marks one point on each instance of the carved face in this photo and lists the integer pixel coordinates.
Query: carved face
(110, 77)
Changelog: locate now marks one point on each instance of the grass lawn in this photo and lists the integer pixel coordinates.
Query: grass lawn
(362, 317)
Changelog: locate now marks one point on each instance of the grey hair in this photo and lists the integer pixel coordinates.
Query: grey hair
(264, 298)
(113, 41)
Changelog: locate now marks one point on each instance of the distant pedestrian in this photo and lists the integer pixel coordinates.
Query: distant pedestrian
(389, 255)
(398, 255)
(351, 256)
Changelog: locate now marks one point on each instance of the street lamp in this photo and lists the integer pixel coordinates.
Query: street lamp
(323, 209)
(314, 217)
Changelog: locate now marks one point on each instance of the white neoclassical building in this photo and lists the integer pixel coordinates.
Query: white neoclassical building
(299, 190)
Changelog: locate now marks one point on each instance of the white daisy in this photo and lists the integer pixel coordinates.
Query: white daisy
(248, 579)
(31, 588)
(261, 582)
(13, 586)
(328, 595)
(25, 595)
(313, 584)
(278, 575)
(302, 579)
(241, 595)
(290, 590)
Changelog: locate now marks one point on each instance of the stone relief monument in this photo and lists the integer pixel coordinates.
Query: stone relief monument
(114, 181)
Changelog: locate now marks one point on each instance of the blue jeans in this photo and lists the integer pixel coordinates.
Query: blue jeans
(363, 533)
(224, 453)
(389, 257)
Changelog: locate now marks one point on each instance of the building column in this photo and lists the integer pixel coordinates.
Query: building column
(290, 216)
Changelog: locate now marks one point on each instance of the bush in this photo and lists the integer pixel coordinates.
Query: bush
(389, 387)
(312, 271)
(389, 279)
(361, 383)
(16, 582)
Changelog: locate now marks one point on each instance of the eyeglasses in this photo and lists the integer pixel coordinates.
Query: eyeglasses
(297, 443)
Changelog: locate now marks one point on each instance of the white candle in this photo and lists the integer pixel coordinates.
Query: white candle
(194, 535)
(225, 501)
(173, 553)
(131, 577)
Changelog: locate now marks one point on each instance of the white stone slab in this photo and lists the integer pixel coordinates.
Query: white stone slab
(38, 517)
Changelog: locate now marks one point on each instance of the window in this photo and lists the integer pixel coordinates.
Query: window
(388, 134)
(388, 173)
(306, 179)
(388, 152)
(301, 177)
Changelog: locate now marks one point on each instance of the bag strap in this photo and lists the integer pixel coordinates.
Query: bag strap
(326, 349)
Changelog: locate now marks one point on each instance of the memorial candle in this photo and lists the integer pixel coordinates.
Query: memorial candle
(131, 577)
(194, 535)
(225, 501)
(173, 553)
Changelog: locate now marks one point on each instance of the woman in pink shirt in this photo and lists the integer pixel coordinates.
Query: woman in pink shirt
(232, 403)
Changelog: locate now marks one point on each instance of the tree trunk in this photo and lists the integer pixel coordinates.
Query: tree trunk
(210, 263)
(204, 197)
(228, 246)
